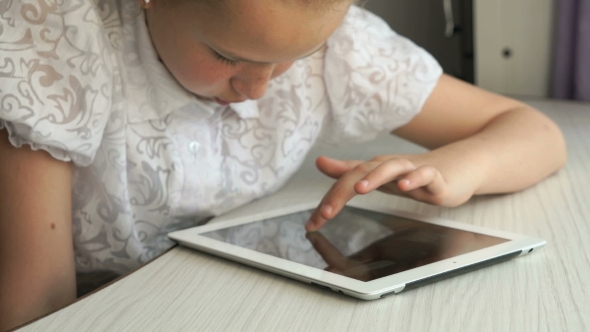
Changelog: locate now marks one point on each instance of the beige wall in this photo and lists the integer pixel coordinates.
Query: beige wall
(525, 27)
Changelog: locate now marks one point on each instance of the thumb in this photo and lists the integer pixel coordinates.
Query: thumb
(335, 168)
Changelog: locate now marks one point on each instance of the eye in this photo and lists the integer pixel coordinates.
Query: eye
(225, 60)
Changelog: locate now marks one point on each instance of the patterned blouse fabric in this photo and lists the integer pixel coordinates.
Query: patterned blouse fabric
(81, 80)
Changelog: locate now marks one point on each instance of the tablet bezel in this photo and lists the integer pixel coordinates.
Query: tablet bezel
(367, 290)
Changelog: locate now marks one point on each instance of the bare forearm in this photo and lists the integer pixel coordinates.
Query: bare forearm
(514, 151)
(479, 142)
(36, 252)
(26, 295)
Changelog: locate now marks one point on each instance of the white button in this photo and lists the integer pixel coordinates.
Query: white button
(194, 147)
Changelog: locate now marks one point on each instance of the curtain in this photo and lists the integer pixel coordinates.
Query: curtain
(571, 71)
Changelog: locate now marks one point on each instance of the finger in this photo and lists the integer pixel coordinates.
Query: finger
(426, 177)
(317, 219)
(388, 171)
(335, 168)
(331, 255)
(340, 193)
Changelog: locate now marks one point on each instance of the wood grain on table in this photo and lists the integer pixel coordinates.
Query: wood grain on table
(548, 290)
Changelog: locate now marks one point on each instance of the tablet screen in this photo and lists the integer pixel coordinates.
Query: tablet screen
(357, 243)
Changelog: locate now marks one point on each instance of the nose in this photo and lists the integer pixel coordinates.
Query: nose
(252, 82)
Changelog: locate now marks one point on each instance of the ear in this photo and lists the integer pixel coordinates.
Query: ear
(145, 4)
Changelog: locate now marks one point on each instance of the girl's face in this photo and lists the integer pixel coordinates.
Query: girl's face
(230, 51)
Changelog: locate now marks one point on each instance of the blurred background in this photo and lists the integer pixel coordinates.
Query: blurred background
(530, 48)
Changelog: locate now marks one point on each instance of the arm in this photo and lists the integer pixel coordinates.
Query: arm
(36, 252)
(481, 143)
(515, 145)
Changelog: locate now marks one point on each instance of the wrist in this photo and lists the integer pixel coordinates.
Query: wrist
(463, 166)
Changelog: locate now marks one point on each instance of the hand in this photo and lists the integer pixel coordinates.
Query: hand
(401, 251)
(408, 176)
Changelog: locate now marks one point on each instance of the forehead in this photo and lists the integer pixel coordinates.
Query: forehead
(266, 30)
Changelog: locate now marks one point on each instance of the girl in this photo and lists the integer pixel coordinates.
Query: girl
(122, 121)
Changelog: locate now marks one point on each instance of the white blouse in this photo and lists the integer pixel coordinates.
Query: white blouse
(81, 80)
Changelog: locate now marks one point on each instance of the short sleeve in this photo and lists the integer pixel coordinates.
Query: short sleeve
(55, 77)
(376, 80)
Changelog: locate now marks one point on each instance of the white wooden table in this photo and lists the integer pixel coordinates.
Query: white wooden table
(548, 290)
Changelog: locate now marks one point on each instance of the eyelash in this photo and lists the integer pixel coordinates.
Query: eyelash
(225, 60)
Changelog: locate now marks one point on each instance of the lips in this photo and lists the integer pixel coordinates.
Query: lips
(221, 101)
(225, 102)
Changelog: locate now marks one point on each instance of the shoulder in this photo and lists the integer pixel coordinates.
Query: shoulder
(365, 34)
(358, 17)
(56, 74)
(58, 29)
(376, 80)
(45, 35)
(65, 16)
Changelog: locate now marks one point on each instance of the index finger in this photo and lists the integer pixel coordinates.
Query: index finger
(341, 192)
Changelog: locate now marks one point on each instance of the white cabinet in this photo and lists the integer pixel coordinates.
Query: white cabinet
(513, 45)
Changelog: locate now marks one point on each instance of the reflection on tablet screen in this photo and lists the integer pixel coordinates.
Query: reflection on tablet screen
(357, 243)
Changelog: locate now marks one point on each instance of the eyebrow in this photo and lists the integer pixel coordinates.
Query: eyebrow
(230, 56)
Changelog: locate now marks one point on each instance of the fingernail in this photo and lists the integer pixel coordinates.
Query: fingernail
(326, 210)
(364, 183)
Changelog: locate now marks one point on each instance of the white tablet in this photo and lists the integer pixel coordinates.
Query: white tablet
(364, 253)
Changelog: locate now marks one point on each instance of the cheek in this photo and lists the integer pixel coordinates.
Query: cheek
(201, 73)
